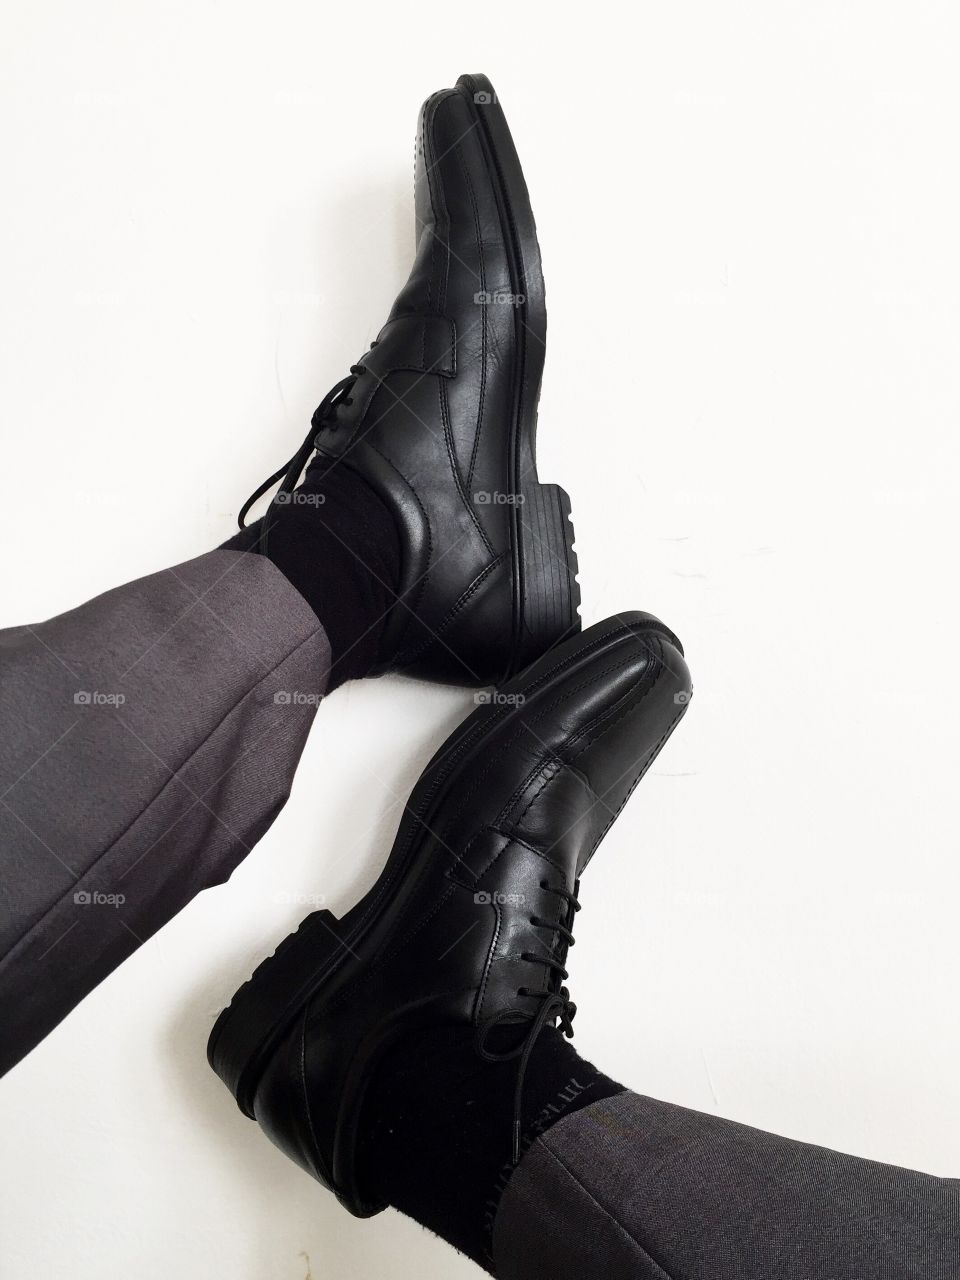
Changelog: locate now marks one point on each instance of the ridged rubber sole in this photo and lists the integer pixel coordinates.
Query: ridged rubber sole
(551, 592)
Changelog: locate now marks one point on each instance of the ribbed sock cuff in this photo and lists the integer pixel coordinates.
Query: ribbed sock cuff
(438, 1123)
(335, 540)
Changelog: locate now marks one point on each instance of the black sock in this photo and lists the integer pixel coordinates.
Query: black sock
(438, 1143)
(335, 540)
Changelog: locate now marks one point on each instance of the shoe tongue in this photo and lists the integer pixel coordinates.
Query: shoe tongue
(507, 1037)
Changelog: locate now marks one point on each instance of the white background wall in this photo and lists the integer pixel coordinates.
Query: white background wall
(749, 218)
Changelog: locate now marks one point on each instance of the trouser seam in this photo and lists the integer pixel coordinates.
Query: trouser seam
(661, 1272)
(248, 696)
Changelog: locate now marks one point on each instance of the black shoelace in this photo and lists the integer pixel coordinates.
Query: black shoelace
(555, 1001)
(290, 472)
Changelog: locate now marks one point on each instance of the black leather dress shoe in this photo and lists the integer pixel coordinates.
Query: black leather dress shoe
(472, 917)
(440, 415)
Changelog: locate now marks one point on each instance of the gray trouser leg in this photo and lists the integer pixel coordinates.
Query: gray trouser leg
(639, 1189)
(147, 741)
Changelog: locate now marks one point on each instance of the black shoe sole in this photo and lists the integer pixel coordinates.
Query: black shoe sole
(546, 591)
(249, 1030)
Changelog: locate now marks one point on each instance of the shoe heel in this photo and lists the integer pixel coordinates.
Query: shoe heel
(550, 598)
(249, 1029)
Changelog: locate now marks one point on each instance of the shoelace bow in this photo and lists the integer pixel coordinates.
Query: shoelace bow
(556, 1002)
(290, 472)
